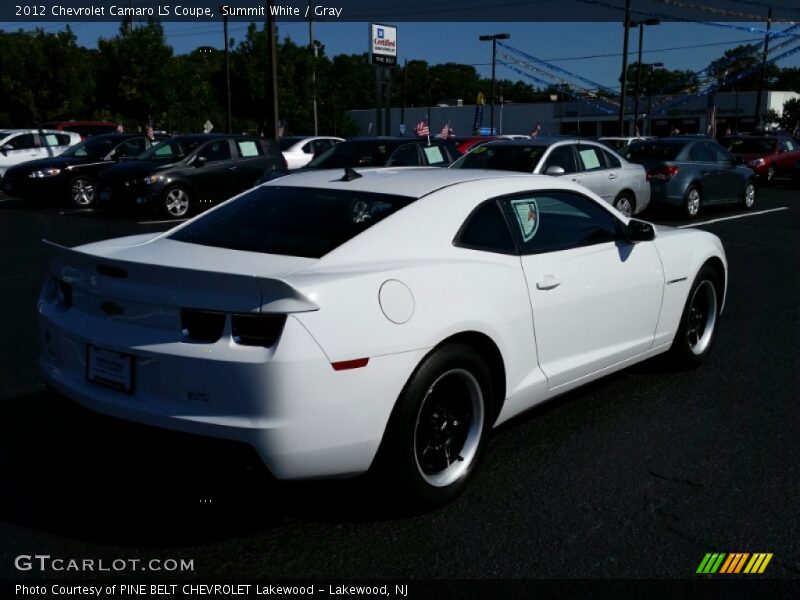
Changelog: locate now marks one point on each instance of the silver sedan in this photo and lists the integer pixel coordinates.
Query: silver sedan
(622, 184)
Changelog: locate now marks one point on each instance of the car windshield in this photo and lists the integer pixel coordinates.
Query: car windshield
(171, 149)
(749, 145)
(293, 221)
(288, 142)
(97, 147)
(354, 154)
(653, 150)
(516, 157)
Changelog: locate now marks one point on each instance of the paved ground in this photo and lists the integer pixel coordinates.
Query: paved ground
(638, 475)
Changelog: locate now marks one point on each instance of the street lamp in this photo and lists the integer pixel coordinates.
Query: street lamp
(493, 38)
(652, 66)
(641, 24)
(315, 45)
(227, 66)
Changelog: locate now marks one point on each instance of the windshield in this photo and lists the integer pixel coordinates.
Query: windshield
(521, 158)
(292, 221)
(655, 150)
(354, 154)
(95, 148)
(749, 145)
(171, 149)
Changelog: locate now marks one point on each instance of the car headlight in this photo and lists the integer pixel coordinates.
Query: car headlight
(44, 173)
(757, 162)
(151, 179)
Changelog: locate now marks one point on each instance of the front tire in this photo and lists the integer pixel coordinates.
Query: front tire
(697, 328)
(82, 191)
(692, 201)
(176, 203)
(438, 428)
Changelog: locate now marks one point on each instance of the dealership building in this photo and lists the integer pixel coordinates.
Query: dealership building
(658, 115)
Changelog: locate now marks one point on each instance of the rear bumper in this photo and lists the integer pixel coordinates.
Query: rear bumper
(304, 419)
(663, 193)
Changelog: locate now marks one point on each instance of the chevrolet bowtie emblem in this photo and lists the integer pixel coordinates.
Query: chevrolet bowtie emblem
(112, 309)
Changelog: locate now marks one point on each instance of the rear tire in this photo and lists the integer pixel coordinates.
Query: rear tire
(438, 428)
(692, 202)
(82, 191)
(176, 202)
(749, 197)
(625, 204)
(697, 328)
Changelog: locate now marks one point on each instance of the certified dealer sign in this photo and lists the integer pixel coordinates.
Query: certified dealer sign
(383, 44)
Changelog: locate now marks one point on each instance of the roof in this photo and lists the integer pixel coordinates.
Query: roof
(414, 182)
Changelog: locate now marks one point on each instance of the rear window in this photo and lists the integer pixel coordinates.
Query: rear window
(658, 150)
(520, 158)
(749, 146)
(292, 221)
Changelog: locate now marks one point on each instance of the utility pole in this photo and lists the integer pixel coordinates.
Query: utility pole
(494, 38)
(762, 76)
(405, 87)
(272, 75)
(641, 24)
(314, 45)
(624, 79)
(227, 71)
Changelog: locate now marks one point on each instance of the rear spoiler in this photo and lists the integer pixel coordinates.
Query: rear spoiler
(162, 285)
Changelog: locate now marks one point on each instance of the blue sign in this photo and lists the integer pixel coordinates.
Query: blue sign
(487, 131)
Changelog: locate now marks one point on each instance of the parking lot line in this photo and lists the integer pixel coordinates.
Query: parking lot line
(164, 221)
(750, 214)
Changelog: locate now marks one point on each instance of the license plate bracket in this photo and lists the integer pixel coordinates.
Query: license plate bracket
(111, 369)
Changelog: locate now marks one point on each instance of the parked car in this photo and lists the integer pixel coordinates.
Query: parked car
(384, 152)
(768, 156)
(591, 164)
(84, 128)
(73, 174)
(618, 144)
(299, 150)
(22, 145)
(186, 173)
(688, 172)
(384, 321)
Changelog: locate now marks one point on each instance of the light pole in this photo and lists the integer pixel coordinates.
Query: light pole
(493, 38)
(623, 80)
(315, 44)
(641, 24)
(227, 66)
(652, 66)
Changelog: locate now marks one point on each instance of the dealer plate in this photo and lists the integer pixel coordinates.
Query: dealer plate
(109, 368)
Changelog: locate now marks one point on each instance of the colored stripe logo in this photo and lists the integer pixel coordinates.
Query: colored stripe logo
(734, 563)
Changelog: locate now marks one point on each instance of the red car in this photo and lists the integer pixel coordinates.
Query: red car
(768, 156)
(465, 143)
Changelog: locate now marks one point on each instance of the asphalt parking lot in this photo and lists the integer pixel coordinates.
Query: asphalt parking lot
(638, 475)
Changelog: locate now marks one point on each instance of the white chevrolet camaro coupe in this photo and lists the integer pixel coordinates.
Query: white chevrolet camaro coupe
(340, 322)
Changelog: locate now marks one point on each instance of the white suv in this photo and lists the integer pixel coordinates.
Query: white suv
(21, 145)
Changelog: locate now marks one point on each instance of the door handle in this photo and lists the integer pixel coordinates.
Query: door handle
(612, 175)
(548, 282)
(233, 168)
(576, 180)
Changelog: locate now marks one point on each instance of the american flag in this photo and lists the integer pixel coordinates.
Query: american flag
(422, 129)
(537, 130)
(148, 130)
(446, 131)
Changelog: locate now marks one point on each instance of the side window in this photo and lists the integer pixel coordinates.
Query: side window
(320, 146)
(131, 147)
(406, 155)
(55, 139)
(591, 158)
(788, 145)
(561, 156)
(307, 148)
(551, 221)
(248, 148)
(720, 155)
(612, 162)
(702, 152)
(24, 141)
(216, 151)
(486, 229)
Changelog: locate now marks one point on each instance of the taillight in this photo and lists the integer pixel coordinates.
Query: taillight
(64, 293)
(256, 330)
(202, 325)
(662, 173)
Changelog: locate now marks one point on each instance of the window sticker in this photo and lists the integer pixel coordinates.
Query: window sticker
(589, 158)
(51, 140)
(527, 213)
(247, 148)
(433, 154)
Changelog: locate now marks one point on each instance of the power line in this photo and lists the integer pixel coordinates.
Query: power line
(615, 54)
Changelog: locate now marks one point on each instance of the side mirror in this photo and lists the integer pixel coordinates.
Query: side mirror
(200, 161)
(640, 231)
(555, 170)
(7, 148)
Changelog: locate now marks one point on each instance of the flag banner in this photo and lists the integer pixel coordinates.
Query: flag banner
(446, 131)
(478, 122)
(422, 129)
(536, 130)
(149, 129)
